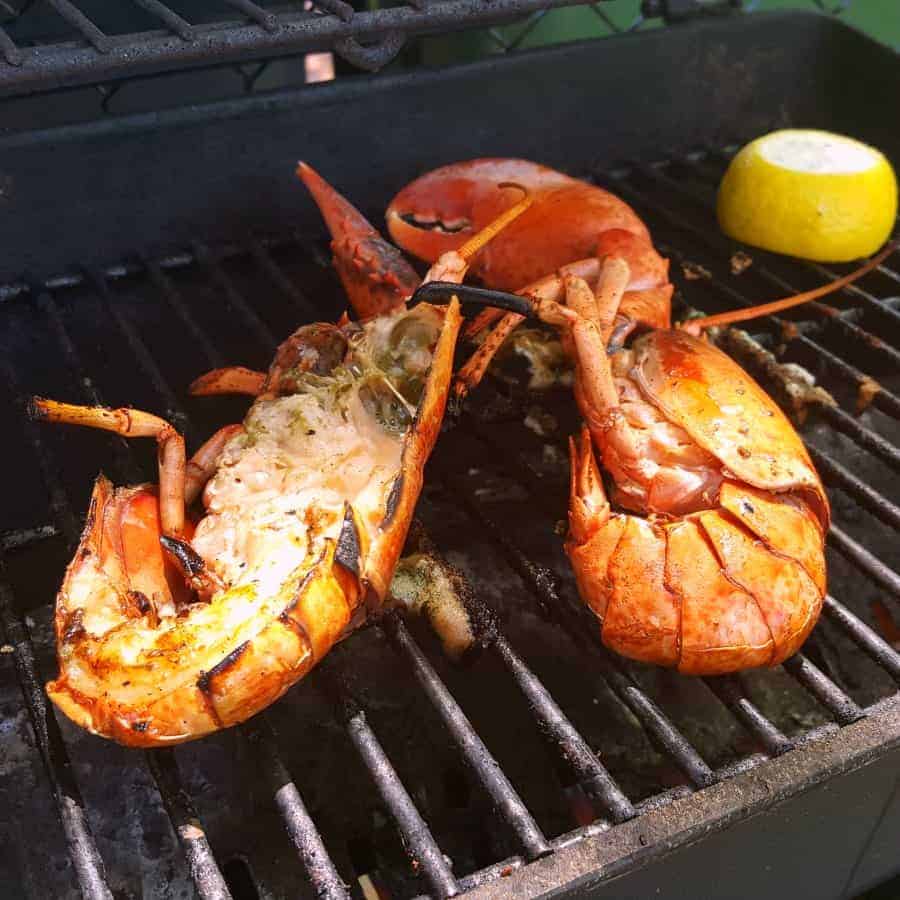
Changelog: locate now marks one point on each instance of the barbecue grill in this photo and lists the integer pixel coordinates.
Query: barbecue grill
(141, 250)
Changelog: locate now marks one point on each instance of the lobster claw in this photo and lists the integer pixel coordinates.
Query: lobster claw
(374, 273)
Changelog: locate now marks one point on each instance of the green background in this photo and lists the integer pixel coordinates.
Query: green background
(880, 18)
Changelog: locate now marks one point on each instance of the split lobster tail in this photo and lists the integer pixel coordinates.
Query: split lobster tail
(166, 630)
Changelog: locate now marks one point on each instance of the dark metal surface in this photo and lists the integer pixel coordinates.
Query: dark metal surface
(63, 44)
(182, 45)
(580, 767)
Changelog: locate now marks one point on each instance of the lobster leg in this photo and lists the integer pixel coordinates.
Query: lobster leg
(230, 380)
(614, 275)
(548, 289)
(133, 423)
(472, 371)
(202, 465)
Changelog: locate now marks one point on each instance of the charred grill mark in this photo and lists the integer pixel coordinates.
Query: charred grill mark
(301, 590)
(207, 700)
(205, 681)
(348, 552)
(286, 616)
(393, 500)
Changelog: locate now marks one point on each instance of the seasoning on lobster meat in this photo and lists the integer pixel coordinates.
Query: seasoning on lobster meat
(168, 629)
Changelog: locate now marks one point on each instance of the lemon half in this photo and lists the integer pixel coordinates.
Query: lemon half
(810, 194)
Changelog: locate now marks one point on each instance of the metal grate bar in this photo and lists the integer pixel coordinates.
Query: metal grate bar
(476, 754)
(163, 284)
(660, 727)
(305, 307)
(864, 437)
(575, 750)
(842, 707)
(199, 855)
(208, 880)
(541, 582)
(237, 302)
(869, 300)
(82, 24)
(416, 835)
(881, 397)
(843, 478)
(23, 537)
(123, 456)
(11, 53)
(719, 246)
(82, 848)
(169, 17)
(301, 829)
(62, 65)
(864, 637)
(173, 408)
(254, 12)
(730, 692)
(863, 559)
(707, 204)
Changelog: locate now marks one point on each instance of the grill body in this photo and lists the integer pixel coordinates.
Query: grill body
(141, 251)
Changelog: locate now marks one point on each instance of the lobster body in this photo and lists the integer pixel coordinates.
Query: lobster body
(723, 567)
(169, 626)
(712, 559)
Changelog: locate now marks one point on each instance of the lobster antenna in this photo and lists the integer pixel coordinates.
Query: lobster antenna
(695, 326)
(489, 232)
(441, 291)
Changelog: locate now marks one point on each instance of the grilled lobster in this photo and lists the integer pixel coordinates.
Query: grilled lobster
(713, 559)
(170, 628)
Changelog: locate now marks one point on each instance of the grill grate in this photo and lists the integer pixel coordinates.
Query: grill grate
(675, 200)
(65, 44)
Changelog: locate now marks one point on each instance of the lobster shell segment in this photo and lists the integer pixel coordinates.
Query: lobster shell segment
(722, 626)
(709, 395)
